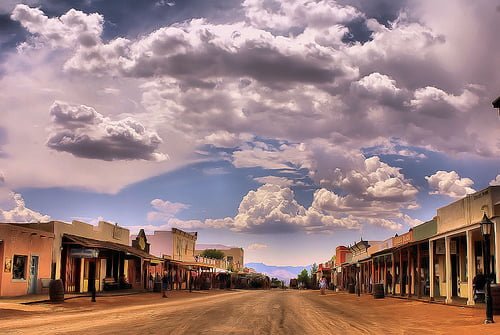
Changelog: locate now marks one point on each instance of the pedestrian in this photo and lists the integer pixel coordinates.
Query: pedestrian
(322, 285)
(388, 280)
(151, 281)
(164, 284)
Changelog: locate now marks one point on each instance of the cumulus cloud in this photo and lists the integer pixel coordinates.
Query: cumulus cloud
(329, 166)
(164, 209)
(13, 207)
(376, 180)
(273, 209)
(287, 63)
(495, 181)
(374, 191)
(450, 183)
(275, 180)
(260, 154)
(396, 148)
(284, 72)
(74, 28)
(284, 15)
(412, 222)
(19, 213)
(380, 87)
(256, 246)
(225, 139)
(82, 131)
(223, 50)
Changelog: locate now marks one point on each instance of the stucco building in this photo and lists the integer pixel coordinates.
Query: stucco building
(81, 251)
(456, 254)
(234, 256)
(26, 256)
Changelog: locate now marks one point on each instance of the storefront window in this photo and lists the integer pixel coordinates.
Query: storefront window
(19, 267)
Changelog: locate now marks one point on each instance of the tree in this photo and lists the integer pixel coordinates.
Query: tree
(314, 269)
(303, 278)
(314, 279)
(213, 253)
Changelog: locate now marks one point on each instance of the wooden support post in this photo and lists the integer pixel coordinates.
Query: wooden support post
(447, 242)
(431, 270)
(401, 272)
(409, 271)
(470, 268)
(419, 273)
(393, 269)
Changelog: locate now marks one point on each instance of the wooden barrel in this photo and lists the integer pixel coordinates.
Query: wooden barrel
(351, 288)
(495, 298)
(56, 290)
(378, 291)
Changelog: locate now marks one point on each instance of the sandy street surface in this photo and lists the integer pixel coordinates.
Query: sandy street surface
(243, 312)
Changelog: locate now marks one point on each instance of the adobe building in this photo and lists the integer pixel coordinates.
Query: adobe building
(81, 251)
(456, 251)
(175, 244)
(359, 268)
(26, 258)
(341, 254)
(382, 258)
(234, 256)
(177, 248)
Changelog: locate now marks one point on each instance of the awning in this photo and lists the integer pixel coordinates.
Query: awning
(192, 264)
(91, 243)
(383, 255)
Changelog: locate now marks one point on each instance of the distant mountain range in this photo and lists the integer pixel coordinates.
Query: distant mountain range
(281, 272)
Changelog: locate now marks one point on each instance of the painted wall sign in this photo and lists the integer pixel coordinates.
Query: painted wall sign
(453, 247)
(440, 248)
(403, 239)
(8, 265)
(84, 253)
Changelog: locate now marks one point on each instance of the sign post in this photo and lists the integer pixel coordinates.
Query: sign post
(92, 254)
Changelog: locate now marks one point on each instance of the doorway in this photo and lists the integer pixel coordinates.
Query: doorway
(454, 275)
(33, 283)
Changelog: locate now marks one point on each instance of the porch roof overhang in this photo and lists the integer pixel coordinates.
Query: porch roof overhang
(385, 253)
(195, 264)
(97, 244)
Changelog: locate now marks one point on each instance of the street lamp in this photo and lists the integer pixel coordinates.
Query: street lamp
(190, 278)
(486, 228)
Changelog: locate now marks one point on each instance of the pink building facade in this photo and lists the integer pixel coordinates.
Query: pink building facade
(26, 258)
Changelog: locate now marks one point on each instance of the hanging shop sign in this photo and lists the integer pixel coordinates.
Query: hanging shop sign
(84, 253)
(440, 248)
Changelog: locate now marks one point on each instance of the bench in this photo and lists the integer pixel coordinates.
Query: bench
(109, 284)
(45, 283)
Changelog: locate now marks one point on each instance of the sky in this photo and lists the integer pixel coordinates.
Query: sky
(283, 127)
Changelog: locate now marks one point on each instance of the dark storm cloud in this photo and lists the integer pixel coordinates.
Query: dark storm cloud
(118, 147)
(358, 32)
(262, 63)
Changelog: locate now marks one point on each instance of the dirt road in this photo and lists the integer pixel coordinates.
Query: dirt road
(244, 312)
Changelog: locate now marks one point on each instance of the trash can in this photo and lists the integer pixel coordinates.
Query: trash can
(351, 288)
(378, 291)
(157, 286)
(495, 298)
(56, 291)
